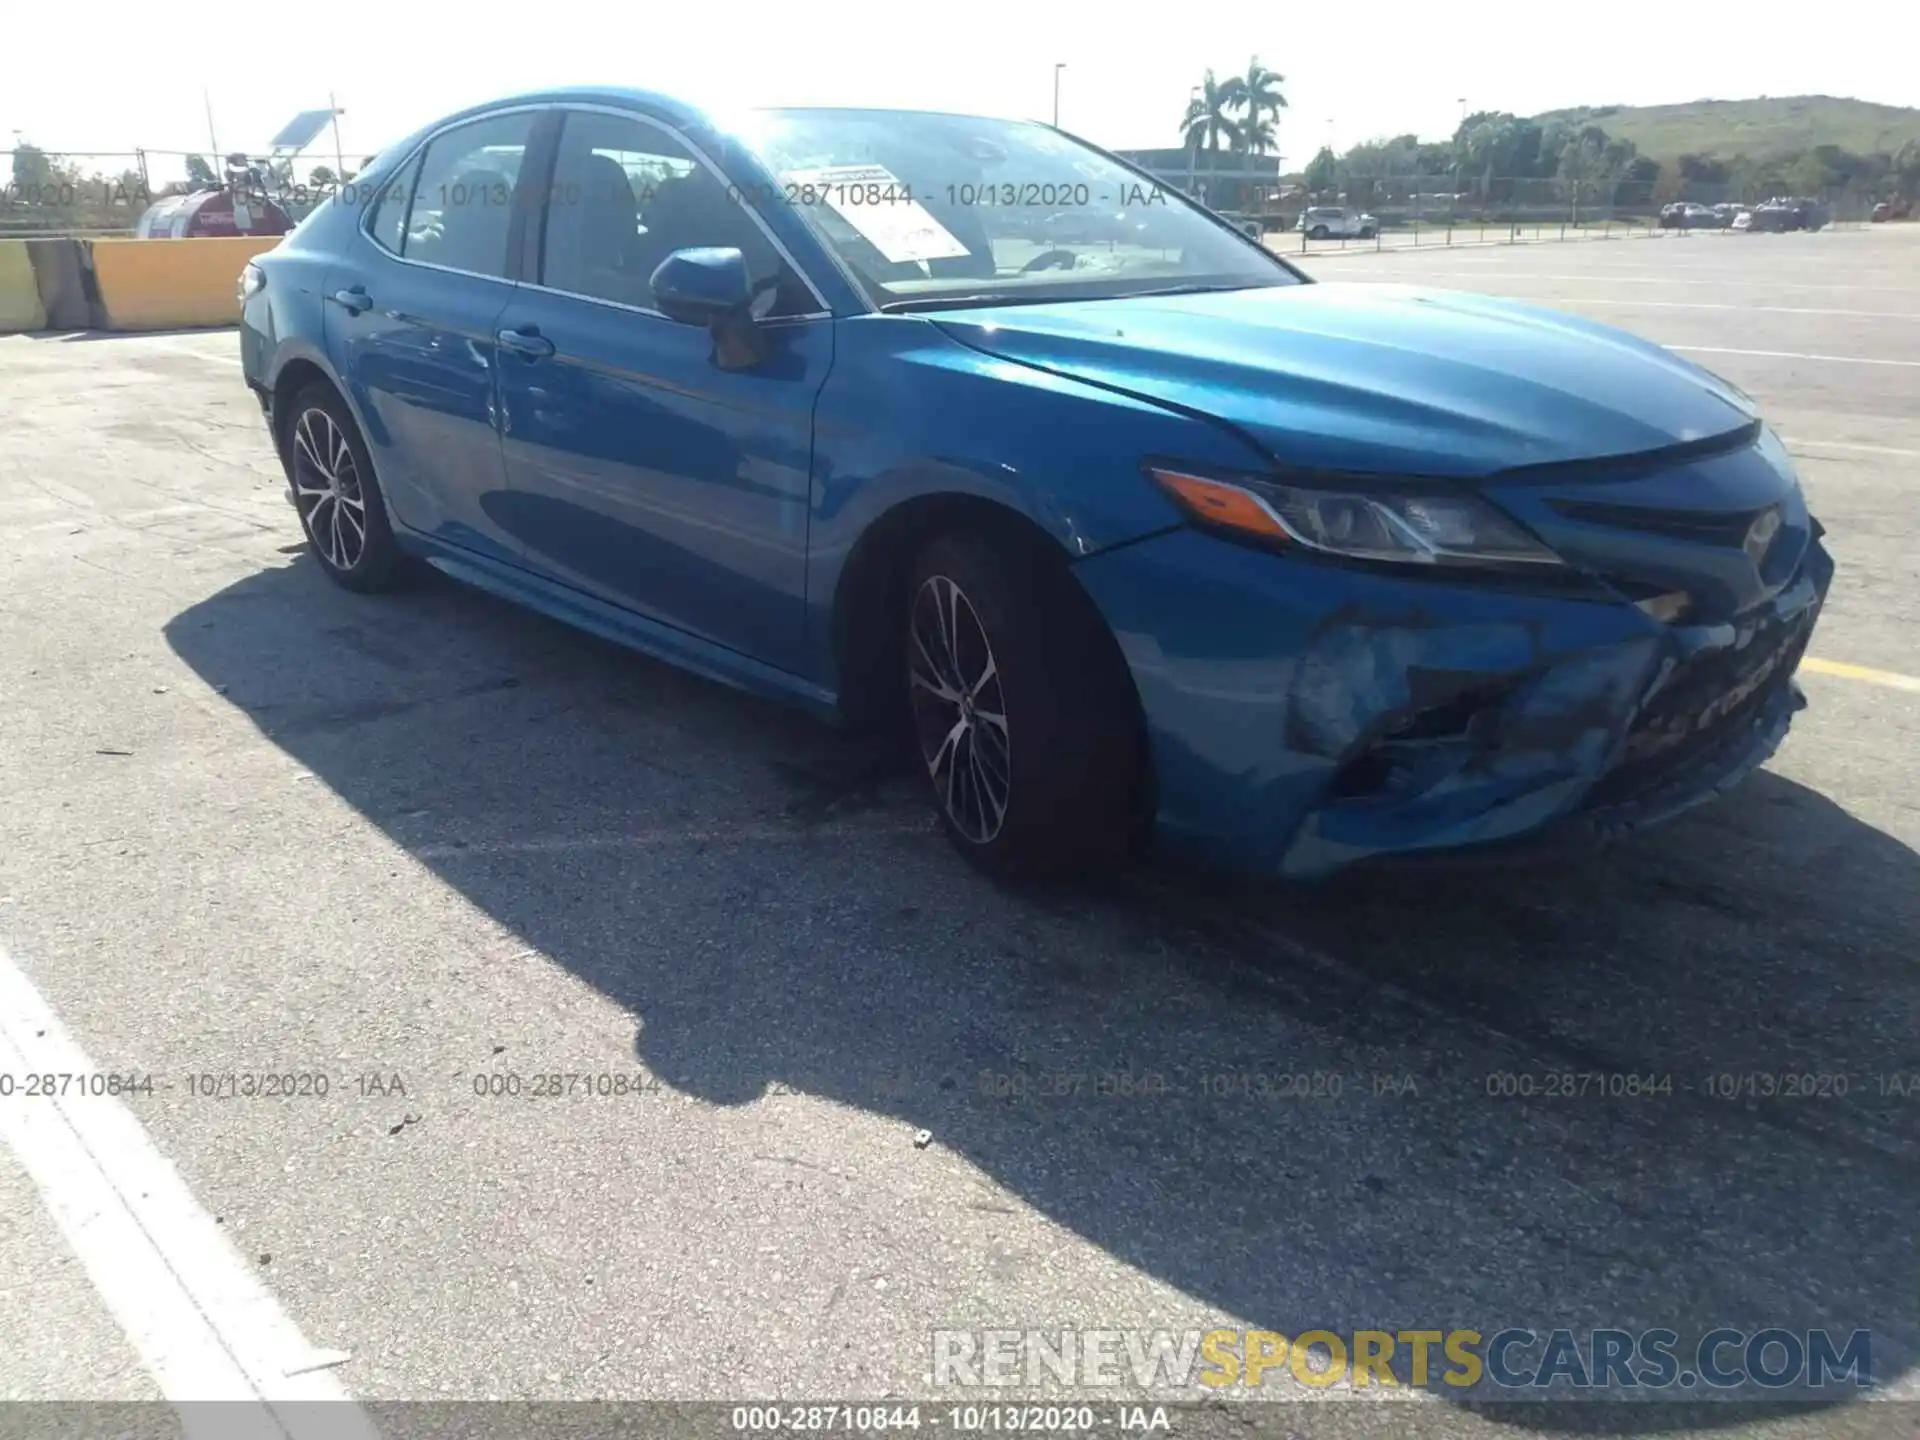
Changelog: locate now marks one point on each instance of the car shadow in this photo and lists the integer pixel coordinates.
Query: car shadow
(1537, 1098)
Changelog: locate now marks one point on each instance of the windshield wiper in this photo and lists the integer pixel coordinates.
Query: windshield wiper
(968, 302)
(1183, 290)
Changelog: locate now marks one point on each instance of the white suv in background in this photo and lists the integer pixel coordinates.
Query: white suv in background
(1336, 222)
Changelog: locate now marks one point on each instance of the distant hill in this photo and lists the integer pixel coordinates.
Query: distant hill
(1760, 130)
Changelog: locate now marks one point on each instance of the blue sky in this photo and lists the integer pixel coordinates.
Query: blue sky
(1353, 71)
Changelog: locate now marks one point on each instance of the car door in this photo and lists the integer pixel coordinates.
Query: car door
(411, 321)
(639, 469)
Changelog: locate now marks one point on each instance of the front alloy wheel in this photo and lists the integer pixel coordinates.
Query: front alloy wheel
(1022, 707)
(959, 712)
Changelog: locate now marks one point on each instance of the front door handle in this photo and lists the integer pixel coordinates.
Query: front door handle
(354, 300)
(527, 341)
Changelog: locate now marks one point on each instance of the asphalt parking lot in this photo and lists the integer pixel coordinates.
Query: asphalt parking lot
(253, 825)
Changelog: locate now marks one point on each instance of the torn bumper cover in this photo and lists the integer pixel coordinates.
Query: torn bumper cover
(1337, 717)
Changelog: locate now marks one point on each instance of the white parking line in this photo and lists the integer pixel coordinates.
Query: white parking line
(1594, 277)
(201, 1321)
(1763, 309)
(1794, 355)
(1849, 445)
(180, 349)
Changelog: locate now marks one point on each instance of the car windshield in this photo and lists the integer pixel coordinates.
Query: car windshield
(930, 210)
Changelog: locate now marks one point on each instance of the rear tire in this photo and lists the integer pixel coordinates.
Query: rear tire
(1318, 232)
(1024, 716)
(336, 493)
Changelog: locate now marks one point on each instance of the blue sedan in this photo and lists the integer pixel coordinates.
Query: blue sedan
(1134, 529)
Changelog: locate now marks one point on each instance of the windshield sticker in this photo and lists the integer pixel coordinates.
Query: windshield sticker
(880, 207)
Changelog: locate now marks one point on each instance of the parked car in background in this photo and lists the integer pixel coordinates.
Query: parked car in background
(1724, 214)
(1092, 227)
(1165, 539)
(1895, 209)
(1336, 222)
(1742, 220)
(1686, 215)
(1812, 214)
(1785, 213)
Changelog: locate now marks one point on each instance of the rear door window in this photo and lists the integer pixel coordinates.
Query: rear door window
(388, 223)
(463, 203)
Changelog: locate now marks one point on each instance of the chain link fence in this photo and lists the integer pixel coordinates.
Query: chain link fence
(1439, 210)
(105, 192)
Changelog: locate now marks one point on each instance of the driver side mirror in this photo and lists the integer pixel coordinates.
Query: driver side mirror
(709, 286)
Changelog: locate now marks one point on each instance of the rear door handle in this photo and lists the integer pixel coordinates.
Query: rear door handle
(354, 300)
(526, 341)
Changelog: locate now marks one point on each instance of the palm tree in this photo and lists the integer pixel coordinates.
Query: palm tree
(1256, 135)
(1258, 92)
(1206, 122)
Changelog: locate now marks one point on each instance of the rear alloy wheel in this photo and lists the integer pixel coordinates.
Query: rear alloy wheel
(1022, 708)
(1319, 232)
(336, 495)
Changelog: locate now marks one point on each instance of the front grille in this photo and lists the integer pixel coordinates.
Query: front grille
(1703, 527)
(1711, 697)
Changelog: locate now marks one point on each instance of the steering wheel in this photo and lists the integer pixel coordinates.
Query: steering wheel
(1055, 259)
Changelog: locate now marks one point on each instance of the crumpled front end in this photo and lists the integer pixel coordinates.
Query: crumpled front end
(1304, 717)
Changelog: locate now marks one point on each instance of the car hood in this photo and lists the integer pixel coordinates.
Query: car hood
(1375, 378)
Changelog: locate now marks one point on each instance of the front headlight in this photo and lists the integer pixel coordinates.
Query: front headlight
(1406, 526)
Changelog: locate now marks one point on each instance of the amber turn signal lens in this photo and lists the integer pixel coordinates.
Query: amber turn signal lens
(1220, 504)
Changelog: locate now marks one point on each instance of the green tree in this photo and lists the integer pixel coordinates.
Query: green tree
(1702, 170)
(321, 177)
(1207, 121)
(1494, 146)
(199, 173)
(1806, 175)
(1320, 171)
(1906, 168)
(32, 168)
(1639, 182)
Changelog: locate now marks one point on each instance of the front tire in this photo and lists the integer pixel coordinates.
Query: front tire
(1024, 714)
(336, 494)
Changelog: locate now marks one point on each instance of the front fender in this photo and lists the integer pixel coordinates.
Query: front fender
(909, 412)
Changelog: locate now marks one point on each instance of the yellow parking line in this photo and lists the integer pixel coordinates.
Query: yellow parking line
(1844, 671)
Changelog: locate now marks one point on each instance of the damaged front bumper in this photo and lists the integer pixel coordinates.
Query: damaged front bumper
(1303, 718)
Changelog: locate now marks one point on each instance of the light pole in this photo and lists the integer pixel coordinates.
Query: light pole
(1193, 142)
(1459, 160)
(339, 158)
(1058, 66)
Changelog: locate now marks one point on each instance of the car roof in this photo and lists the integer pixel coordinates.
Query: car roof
(678, 110)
